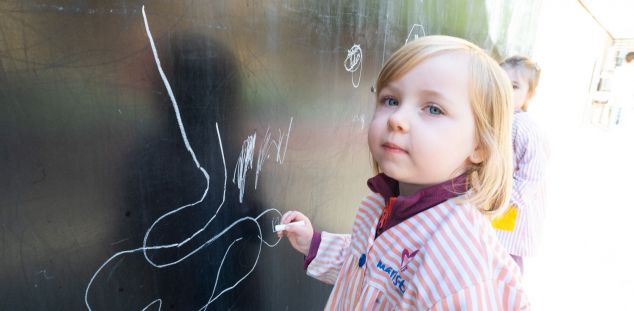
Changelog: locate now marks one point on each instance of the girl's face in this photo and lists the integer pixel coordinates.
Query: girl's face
(520, 86)
(423, 130)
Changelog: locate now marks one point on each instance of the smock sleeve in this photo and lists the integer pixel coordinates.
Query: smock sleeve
(333, 250)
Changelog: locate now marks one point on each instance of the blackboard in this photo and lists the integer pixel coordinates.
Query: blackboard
(147, 148)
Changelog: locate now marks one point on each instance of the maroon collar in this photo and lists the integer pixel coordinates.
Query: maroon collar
(404, 207)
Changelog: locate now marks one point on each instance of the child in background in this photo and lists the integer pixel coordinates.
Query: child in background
(520, 226)
(440, 138)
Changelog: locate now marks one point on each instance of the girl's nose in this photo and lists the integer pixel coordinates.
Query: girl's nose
(398, 121)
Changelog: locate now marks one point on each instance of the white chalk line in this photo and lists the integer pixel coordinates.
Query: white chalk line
(415, 26)
(160, 304)
(263, 154)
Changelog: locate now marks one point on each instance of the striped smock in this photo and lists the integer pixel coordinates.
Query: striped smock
(444, 258)
(519, 229)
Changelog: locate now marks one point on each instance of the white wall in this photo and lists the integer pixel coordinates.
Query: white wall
(586, 258)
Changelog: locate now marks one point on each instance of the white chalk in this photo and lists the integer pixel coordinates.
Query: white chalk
(283, 227)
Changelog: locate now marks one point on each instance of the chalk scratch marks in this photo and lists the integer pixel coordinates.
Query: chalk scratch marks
(245, 162)
(265, 149)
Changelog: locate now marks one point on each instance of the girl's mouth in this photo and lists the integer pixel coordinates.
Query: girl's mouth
(391, 147)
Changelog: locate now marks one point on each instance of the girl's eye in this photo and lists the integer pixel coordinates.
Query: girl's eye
(434, 110)
(389, 101)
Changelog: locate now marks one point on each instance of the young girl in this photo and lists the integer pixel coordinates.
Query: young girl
(440, 137)
(519, 227)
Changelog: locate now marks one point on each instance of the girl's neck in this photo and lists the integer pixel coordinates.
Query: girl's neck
(407, 189)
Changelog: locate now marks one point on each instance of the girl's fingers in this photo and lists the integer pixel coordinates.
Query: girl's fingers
(295, 231)
(291, 230)
(280, 234)
(288, 217)
(292, 216)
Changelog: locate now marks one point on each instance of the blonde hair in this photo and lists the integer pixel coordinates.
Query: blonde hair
(491, 103)
(529, 70)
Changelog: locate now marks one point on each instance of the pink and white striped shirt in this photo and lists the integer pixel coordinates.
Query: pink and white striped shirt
(530, 157)
(444, 258)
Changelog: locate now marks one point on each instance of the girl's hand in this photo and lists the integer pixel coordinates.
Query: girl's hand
(299, 236)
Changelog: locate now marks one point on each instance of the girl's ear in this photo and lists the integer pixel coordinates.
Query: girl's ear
(477, 156)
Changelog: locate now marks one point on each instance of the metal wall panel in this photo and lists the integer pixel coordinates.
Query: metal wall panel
(115, 195)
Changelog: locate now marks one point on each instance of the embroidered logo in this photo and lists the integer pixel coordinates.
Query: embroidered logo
(395, 277)
(395, 274)
(406, 257)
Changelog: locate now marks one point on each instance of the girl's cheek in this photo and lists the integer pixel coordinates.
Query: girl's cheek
(381, 112)
(376, 117)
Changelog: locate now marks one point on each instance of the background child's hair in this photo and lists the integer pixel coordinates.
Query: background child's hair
(491, 103)
(528, 69)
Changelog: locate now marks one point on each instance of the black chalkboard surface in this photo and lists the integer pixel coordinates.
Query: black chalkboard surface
(147, 148)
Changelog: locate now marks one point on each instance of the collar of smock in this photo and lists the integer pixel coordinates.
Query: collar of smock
(407, 206)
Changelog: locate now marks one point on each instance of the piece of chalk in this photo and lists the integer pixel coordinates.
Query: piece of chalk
(283, 227)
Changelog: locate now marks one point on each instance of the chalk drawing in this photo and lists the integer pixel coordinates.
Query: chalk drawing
(359, 118)
(274, 222)
(415, 32)
(241, 167)
(45, 274)
(354, 63)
